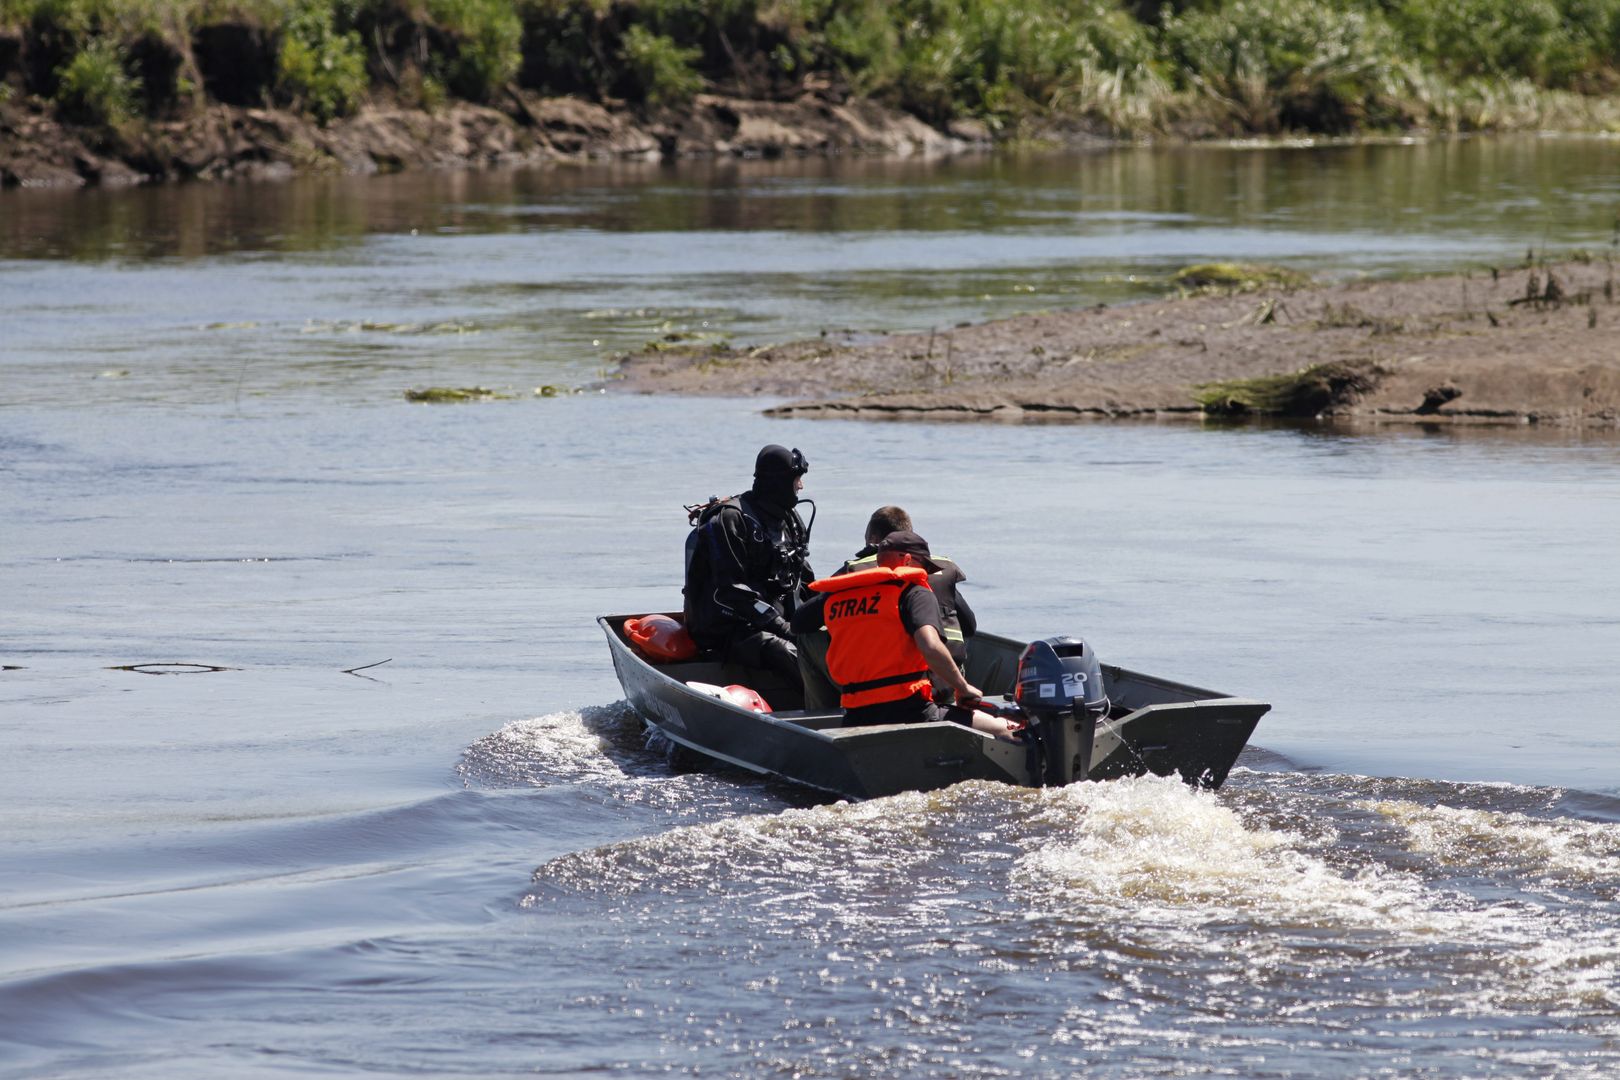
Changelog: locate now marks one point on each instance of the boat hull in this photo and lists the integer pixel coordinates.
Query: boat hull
(1159, 727)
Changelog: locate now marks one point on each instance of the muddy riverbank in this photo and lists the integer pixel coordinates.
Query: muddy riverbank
(1526, 343)
(223, 142)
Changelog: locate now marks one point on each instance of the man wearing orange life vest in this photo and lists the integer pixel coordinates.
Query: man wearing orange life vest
(957, 621)
(885, 628)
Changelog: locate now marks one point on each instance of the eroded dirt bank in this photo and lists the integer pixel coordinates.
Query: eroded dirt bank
(1528, 343)
(227, 142)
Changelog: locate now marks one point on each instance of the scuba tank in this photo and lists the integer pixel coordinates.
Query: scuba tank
(789, 569)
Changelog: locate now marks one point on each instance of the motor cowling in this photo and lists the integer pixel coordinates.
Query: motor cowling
(1060, 690)
(1055, 674)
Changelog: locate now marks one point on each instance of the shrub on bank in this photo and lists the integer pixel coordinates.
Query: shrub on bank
(1001, 60)
(95, 87)
(482, 45)
(1130, 65)
(1553, 43)
(661, 51)
(1291, 64)
(659, 69)
(319, 68)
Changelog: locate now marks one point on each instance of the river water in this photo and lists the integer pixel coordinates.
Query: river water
(467, 861)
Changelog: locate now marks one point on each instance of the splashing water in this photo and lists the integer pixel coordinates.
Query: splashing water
(596, 744)
(1548, 850)
(1143, 896)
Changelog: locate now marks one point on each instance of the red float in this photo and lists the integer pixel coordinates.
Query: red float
(660, 638)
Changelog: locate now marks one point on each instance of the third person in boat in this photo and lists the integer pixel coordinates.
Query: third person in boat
(886, 640)
(957, 621)
(958, 624)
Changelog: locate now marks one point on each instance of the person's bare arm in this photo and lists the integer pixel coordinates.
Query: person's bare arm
(941, 664)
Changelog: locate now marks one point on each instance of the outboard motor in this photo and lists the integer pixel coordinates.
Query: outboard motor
(1060, 689)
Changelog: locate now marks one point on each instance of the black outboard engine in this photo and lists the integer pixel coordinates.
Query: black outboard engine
(1060, 689)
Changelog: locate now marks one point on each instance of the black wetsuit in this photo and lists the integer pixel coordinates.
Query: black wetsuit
(748, 566)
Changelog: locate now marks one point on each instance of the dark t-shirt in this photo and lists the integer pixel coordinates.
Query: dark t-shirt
(919, 607)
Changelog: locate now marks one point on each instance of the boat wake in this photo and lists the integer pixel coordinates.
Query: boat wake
(1549, 855)
(1367, 911)
(599, 743)
(606, 747)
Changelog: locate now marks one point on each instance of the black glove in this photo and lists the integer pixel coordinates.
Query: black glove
(747, 606)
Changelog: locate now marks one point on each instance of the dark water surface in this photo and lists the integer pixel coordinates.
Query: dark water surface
(466, 860)
(359, 287)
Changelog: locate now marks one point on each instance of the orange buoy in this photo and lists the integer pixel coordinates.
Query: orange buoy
(660, 638)
(748, 699)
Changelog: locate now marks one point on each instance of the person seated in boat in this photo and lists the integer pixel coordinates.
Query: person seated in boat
(943, 577)
(886, 641)
(747, 566)
(957, 621)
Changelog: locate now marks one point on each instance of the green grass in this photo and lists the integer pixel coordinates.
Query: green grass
(319, 68)
(95, 87)
(1236, 277)
(452, 395)
(1299, 394)
(1212, 67)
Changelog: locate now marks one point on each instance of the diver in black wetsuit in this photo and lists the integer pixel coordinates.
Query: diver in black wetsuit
(747, 563)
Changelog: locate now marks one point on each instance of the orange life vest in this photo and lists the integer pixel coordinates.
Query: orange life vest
(871, 657)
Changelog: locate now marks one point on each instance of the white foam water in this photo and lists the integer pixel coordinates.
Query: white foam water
(606, 749)
(1547, 850)
(594, 744)
(1162, 852)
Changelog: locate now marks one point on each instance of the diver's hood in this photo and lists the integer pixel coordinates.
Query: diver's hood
(776, 473)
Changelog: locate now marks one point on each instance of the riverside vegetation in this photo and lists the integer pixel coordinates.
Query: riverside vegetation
(1187, 68)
